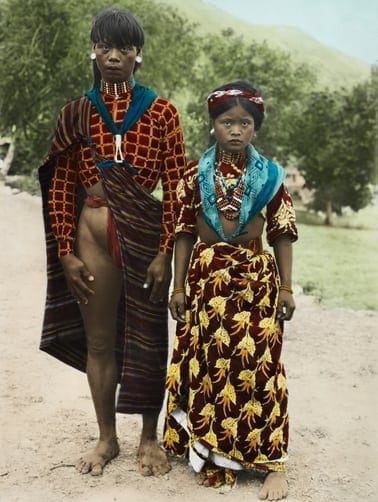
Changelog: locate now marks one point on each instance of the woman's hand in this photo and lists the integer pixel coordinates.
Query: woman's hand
(286, 306)
(77, 277)
(177, 306)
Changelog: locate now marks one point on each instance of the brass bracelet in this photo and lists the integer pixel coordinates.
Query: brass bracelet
(178, 290)
(286, 288)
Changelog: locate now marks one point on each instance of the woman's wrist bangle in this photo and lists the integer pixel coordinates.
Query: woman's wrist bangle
(283, 287)
(177, 290)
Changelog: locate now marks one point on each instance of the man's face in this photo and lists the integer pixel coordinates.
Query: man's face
(116, 64)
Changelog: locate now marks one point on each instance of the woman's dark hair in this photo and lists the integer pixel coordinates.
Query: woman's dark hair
(118, 27)
(254, 109)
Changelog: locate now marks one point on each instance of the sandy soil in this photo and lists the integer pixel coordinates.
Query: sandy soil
(47, 418)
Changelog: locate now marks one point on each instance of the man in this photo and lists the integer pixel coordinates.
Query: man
(109, 241)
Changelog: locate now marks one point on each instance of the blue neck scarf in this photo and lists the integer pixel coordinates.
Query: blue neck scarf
(262, 181)
(141, 100)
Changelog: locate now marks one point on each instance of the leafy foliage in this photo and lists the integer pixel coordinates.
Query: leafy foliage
(170, 51)
(335, 138)
(48, 71)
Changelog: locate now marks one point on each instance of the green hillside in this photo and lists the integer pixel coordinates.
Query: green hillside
(334, 68)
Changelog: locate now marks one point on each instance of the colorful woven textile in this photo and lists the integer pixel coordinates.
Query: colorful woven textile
(141, 347)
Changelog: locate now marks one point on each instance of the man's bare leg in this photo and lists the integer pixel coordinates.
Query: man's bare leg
(152, 459)
(100, 317)
(102, 382)
(275, 487)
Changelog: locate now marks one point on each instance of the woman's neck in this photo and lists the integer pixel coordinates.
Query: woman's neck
(235, 161)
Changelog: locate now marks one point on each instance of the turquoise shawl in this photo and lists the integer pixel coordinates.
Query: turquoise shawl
(262, 181)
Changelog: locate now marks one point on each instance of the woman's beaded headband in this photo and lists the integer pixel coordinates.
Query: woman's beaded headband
(217, 97)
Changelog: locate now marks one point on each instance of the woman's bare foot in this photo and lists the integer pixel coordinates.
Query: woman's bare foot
(95, 460)
(152, 459)
(275, 487)
(202, 479)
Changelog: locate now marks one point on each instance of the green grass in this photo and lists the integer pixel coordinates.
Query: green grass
(338, 265)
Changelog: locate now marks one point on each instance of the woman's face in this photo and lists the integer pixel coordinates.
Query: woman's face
(116, 64)
(234, 129)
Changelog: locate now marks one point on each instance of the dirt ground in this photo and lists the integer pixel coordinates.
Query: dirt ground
(47, 419)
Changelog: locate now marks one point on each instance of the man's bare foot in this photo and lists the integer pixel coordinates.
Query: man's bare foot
(275, 487)
(95, 460)
(152, 459)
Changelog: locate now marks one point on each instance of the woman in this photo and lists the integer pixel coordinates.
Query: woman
(227, 396)
(110, 242)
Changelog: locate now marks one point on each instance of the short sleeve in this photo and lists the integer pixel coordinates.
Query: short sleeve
(188, 201)
(281, 219)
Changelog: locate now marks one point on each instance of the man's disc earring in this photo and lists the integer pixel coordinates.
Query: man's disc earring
(138, 59)
(93, 56)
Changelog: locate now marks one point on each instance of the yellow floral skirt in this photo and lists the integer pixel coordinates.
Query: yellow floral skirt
(227, 394)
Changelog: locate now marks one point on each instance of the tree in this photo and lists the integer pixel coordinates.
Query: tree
(39, 39)
(171, 49)
(334, 139)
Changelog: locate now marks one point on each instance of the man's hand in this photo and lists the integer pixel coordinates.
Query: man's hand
(77, 276)
(158, 277)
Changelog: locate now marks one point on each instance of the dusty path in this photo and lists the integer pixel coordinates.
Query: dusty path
(47, 419)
